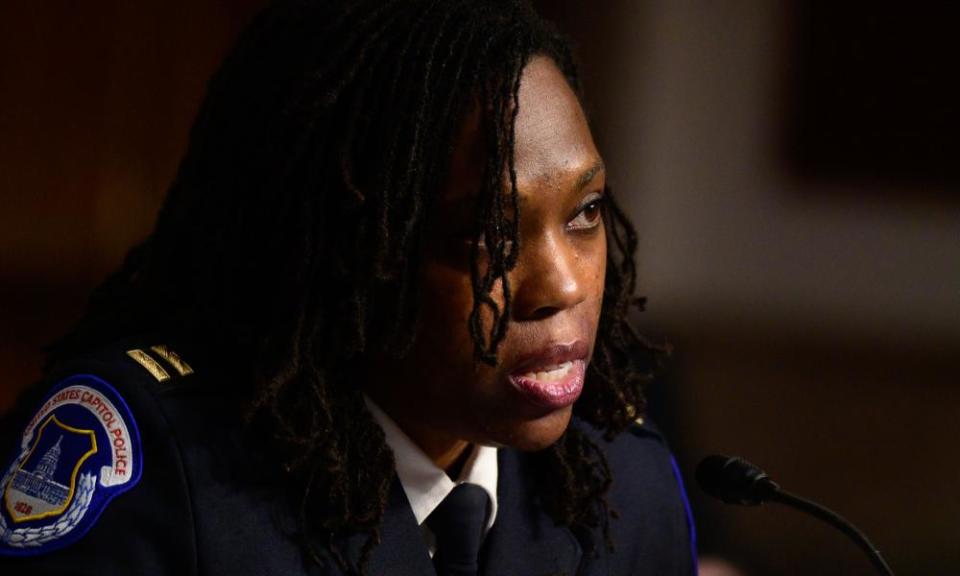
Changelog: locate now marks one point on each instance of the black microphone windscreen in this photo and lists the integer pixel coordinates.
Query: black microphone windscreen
(733, 480)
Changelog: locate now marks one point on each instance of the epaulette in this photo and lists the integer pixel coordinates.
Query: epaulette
(161, 362)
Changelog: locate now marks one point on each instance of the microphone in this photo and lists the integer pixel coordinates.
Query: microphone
(736, 481)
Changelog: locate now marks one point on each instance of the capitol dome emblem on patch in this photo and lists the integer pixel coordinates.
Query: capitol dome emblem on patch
(79, 451)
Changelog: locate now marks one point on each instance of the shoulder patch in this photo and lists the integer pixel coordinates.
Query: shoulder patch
(79, 451)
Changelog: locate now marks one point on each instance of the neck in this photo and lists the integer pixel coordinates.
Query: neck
(452, 460)
(444, 450)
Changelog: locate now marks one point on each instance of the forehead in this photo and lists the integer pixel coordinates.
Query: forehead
(553, 139)
(552, 143)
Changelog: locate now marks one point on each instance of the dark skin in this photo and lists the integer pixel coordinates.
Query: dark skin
(438, 394)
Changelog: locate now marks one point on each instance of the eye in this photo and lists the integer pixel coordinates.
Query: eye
(589, 214)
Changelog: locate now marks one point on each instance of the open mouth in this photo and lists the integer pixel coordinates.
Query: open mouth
(552, 387)
(551, 373)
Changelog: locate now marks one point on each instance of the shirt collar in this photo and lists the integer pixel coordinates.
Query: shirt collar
(426, 484)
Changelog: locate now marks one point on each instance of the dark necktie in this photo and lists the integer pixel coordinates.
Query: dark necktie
(458, 524)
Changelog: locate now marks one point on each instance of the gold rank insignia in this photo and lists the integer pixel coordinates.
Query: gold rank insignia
(162, 356)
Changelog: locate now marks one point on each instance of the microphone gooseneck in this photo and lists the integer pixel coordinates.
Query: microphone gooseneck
(736, 481)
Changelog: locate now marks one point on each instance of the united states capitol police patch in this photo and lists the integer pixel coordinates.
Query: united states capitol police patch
(79, 451)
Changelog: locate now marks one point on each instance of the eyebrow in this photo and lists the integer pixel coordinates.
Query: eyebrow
(589, 174)
(582, 181)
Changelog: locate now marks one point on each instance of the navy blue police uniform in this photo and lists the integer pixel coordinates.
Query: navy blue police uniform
(130, 465)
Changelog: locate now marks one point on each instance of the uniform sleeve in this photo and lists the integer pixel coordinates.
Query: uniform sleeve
(94, 484)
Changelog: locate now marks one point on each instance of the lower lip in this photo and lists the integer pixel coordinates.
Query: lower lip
(554, 394)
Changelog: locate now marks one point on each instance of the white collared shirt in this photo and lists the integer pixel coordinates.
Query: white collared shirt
(426, 484)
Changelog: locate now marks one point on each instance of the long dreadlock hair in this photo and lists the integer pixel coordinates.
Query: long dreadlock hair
(290, 240)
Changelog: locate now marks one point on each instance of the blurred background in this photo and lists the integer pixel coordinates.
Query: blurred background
(792, 168)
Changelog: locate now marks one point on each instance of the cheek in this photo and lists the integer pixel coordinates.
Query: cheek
(444, 350)
(595, 264)
(446, 304)
(452, 392)
(446, 298)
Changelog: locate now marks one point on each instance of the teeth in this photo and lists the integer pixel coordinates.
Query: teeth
(551, 374)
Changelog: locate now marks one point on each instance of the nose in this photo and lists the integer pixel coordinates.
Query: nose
(549, 278)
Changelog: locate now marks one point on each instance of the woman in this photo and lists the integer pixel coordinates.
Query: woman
(380, 328)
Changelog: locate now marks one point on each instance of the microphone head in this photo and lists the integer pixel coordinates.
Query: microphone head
(734, 480)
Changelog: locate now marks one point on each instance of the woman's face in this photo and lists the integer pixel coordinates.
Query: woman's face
(438, 394)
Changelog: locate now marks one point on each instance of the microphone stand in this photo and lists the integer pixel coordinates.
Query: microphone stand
(835, 520)
(736, 481)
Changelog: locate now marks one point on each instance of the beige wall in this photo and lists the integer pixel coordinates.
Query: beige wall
(725, 227)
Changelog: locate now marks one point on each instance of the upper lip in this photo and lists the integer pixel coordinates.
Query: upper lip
(550, 355)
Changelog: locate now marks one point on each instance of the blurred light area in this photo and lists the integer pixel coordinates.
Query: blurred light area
(727, 232)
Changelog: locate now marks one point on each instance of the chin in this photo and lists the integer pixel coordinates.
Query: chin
(535, 434)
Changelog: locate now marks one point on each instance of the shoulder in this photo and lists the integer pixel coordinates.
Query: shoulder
(653, 526)
(640, 453)
(77, 443)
